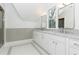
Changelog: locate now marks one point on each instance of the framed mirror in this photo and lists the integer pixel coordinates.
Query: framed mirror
(66, 17)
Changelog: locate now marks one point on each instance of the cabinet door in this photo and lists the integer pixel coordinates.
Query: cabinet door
(60, 48)
(37, 37)
(49, 43)
(74, 51)
(34, 35)
(52, 47)
(73, 43)
(73, 47)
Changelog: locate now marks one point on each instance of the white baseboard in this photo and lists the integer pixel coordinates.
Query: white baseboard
(25, 41)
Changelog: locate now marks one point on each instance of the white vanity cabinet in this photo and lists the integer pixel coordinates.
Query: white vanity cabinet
(49, 43)
(56, 45)
(74, 51)
(44, 41)
(53, 44)
(73, 47)
(60, 48)
(60, 45)
(37, 37)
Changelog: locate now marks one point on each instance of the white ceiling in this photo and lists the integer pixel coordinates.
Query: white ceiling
(32, 11)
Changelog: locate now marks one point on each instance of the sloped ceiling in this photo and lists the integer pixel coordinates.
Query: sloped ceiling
(32, 11)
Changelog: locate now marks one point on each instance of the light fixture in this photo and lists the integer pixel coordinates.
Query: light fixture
(60, 5)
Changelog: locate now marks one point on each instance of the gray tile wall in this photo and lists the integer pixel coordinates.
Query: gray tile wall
(18, 34)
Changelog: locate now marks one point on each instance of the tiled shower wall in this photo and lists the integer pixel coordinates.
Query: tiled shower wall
(18, 34)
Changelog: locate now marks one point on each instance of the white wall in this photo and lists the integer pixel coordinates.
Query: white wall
(32, 11)
(28, 19)
(77, 16)
(12, 20)
(44, 21)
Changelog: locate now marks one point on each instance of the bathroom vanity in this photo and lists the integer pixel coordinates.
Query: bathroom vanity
(60, 42)
(55, 43)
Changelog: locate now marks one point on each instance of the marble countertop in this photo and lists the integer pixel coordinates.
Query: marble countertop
(66, 35)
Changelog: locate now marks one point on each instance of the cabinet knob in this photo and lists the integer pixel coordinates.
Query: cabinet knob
(74, 54)
(54, 42)
(76, 44)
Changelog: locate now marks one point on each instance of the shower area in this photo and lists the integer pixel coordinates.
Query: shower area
(1, 27)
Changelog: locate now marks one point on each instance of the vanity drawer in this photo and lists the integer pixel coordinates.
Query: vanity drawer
(55, 37)
(74, 51)
(74, 44)
(37, 34)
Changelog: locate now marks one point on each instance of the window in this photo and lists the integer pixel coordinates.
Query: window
(52, 17)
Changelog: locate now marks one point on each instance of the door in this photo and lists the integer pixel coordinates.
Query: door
(1, 27)
(60, 48)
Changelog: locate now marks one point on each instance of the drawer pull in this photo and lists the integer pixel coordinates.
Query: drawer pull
(54, 42)
(76, 44)
(74, 54)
